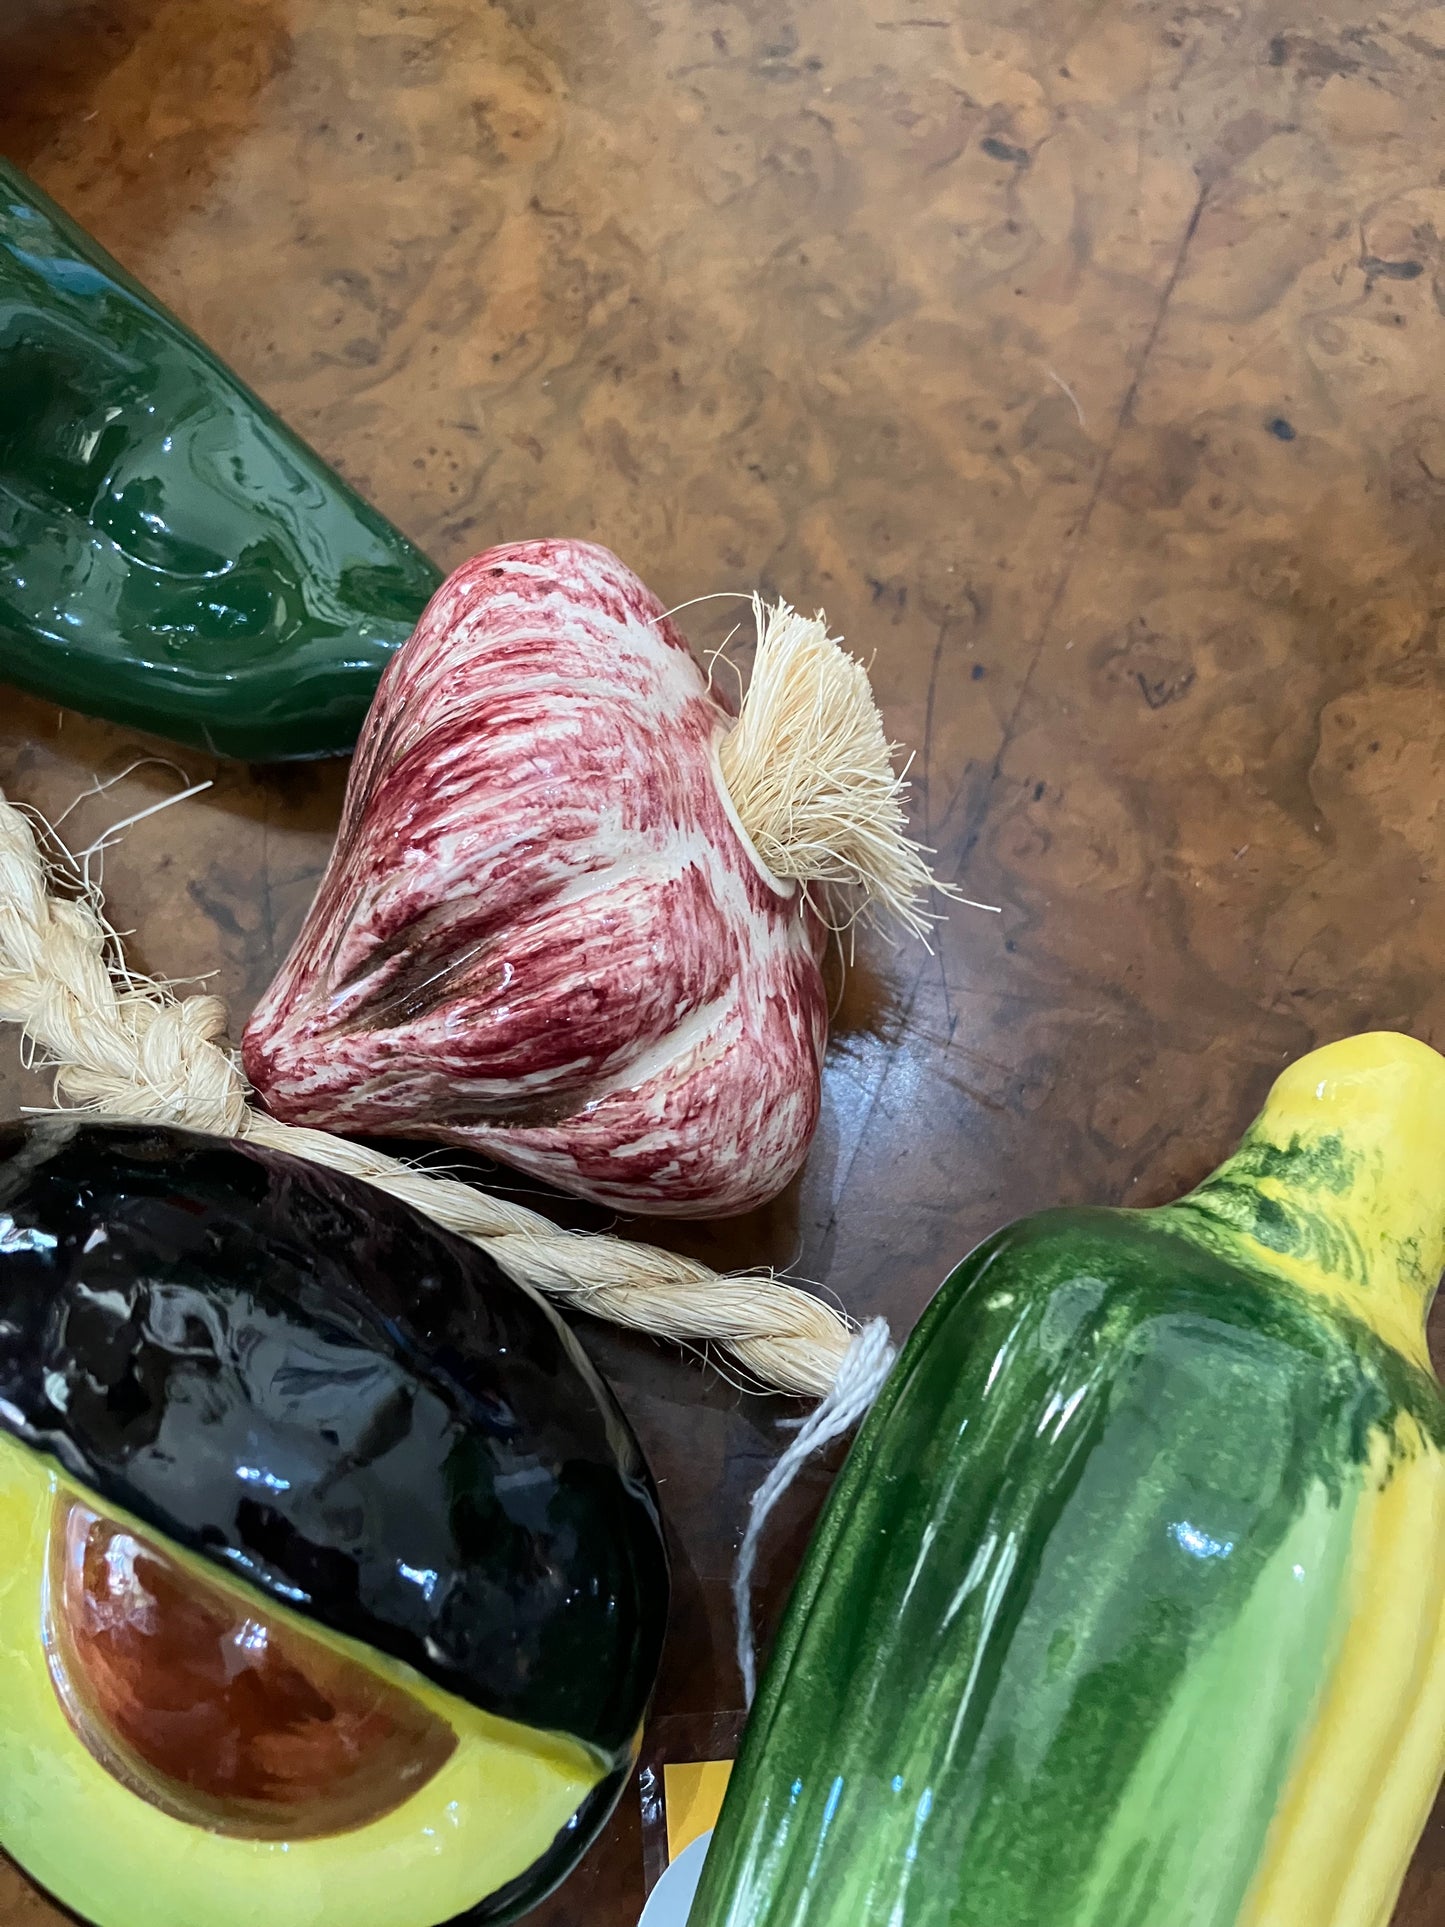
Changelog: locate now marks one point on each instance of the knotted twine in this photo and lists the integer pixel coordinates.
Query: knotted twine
(126, 1047)
(865, 1366)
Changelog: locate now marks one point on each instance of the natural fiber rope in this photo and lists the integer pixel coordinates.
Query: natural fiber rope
(129, 1048)
(810, 773)
(860, 1378)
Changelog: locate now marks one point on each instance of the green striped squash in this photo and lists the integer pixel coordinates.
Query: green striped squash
(1126, 1609)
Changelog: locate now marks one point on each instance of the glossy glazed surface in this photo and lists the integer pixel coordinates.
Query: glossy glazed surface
(171, 555)
(192, 1695)
(788, 296)
(1127, 1607)
(478, 1837)
(371, 1421)
(542, 933)
(298, 1384)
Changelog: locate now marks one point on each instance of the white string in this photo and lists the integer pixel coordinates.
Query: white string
(866, 1364)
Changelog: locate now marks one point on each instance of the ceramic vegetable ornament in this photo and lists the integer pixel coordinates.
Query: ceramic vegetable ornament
(575, 910)
(332, 1587)
(127, 1046)
(171, 555)
(1129, 1603)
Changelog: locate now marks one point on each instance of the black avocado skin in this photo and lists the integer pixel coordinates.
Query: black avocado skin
(309, 1384)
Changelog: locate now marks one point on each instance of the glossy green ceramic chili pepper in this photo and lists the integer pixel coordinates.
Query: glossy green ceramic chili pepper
(171, 555)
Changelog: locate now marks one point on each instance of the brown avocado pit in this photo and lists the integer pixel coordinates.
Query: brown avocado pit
(212, 1709)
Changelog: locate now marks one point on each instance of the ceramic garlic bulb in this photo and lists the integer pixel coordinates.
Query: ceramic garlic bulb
(544, 932)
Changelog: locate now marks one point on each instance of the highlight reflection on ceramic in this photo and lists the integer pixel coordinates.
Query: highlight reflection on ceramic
(330, 1573)
(171, 555)
(1127, 1605)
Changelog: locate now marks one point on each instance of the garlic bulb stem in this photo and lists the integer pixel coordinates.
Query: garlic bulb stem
(810, 773)
(129, 1048)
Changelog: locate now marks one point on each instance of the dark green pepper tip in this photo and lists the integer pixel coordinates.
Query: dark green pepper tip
(172, 556)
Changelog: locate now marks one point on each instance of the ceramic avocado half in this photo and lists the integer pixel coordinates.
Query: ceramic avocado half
(332, 1586)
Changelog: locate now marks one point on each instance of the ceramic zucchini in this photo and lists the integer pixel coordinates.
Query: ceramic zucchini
(1126, 1610)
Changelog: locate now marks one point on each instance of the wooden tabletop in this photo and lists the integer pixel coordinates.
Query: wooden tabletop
(1083, 360)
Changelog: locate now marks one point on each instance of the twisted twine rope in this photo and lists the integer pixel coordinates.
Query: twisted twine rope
(129, 1048)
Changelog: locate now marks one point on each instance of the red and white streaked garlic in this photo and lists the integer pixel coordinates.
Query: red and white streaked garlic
(543, 932)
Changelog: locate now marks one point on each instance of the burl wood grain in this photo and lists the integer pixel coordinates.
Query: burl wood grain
(1084, 360)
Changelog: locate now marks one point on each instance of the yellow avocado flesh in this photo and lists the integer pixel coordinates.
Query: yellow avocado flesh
(491, 1810)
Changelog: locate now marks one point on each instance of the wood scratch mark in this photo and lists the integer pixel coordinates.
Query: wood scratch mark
(1059, 382)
